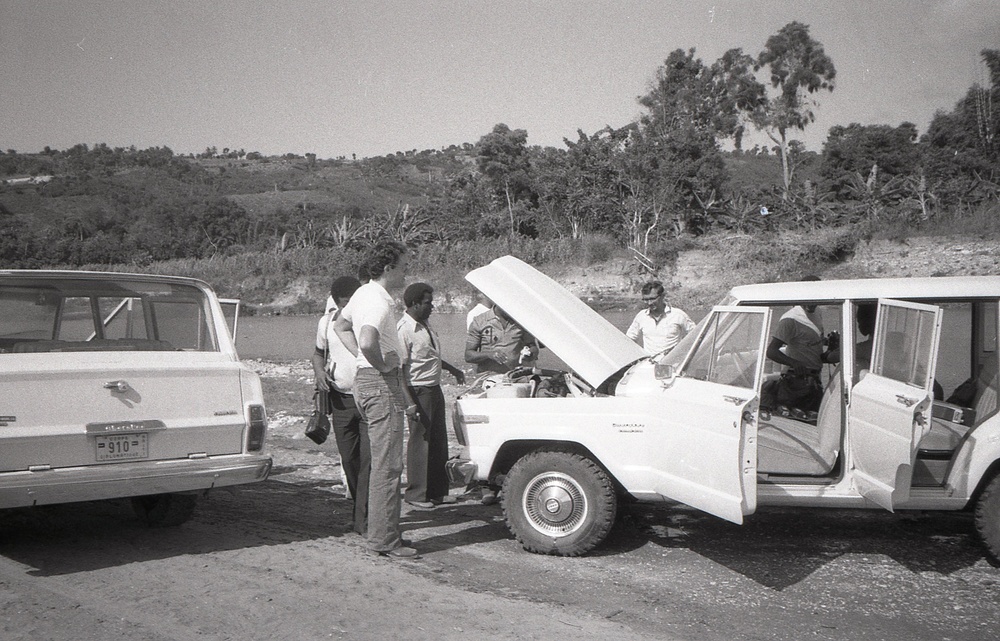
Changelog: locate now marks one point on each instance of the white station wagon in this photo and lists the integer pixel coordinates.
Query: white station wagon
(122, 385)
(907, 420)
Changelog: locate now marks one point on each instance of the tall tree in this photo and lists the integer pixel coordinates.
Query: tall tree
(856, 148)
(963, 146)
(672, 164)
(503, 158)
(592, 181)
(798, 67)
(687, 94)
(984, 98)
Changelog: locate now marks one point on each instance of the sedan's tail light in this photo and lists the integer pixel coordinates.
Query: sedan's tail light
(258, 426)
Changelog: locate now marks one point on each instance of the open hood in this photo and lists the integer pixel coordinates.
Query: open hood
(594, 348)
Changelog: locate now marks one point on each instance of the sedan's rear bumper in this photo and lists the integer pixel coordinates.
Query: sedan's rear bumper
(70, 484)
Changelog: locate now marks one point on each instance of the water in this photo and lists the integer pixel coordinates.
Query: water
(286, 338)
(292, 338)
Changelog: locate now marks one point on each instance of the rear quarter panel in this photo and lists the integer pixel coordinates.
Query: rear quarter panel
(975, 458)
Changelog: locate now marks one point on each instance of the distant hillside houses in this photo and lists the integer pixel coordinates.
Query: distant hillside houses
(28, 180)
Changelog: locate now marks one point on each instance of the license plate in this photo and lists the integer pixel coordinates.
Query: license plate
(122, 447)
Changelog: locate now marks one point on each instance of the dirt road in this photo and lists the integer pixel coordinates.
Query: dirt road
(270, 561)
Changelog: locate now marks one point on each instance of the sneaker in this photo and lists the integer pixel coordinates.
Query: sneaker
(489, 497)
(402, 552)
(447, 499)
(424, 505)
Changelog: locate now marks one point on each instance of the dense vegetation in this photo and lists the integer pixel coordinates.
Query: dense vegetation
(649, 187)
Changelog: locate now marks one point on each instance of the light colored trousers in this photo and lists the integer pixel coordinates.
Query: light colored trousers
(382, 404)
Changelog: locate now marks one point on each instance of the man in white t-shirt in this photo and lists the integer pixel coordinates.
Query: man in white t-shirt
(799, 344)
(659, 327)
(334, 367)
(367, 326)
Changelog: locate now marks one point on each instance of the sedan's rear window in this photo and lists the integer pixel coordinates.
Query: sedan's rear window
(72, 315)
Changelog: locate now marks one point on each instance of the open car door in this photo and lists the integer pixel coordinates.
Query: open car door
(890, 406)
(704, 450)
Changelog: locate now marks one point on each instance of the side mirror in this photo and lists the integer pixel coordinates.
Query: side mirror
(664, 372)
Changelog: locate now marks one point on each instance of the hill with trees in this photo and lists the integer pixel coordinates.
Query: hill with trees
(674, 177)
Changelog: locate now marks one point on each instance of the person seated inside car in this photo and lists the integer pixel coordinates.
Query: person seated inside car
(866, 327)
(799, 344)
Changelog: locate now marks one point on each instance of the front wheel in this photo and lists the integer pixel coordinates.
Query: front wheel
(558, 503)
(164, 510)
(988, 517)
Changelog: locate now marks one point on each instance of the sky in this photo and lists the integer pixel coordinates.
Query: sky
(364, 77)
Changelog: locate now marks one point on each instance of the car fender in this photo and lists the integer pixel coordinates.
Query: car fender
(607, 427)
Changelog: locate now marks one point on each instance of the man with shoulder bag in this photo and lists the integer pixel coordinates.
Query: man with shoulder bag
(335, 367)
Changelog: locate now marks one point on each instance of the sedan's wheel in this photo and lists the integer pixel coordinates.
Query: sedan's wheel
(988, 517)
(164, 510)
(558, 503)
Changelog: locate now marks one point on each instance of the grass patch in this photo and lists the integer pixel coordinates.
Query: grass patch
(981, 222)
(784, 256)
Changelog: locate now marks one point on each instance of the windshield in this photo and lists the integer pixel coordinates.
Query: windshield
(677, 355)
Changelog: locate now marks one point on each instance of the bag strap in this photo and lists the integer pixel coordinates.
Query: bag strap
(326, 334)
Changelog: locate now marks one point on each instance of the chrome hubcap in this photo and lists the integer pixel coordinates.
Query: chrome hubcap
(555, 504)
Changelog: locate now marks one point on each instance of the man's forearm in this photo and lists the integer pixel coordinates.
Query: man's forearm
(476, 357)
(373, 354)
(345, 331)
(318, 370)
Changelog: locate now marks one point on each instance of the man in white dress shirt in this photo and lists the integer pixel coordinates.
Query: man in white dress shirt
(659, 327)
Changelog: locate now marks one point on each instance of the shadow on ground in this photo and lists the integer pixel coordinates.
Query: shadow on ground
(805, 539)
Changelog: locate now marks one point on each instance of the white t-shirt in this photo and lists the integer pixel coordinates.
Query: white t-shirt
(338, 358)
(802, 334)
(372, 305)
(660, 335)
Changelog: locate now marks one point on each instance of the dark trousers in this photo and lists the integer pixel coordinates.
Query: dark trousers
(427, 449)
(351, 432)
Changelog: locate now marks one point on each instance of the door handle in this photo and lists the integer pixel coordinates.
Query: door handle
(117, 386)
(905, 400)
(735, 400)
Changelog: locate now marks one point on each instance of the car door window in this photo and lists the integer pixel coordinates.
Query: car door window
(967, 364)
(906, 352)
